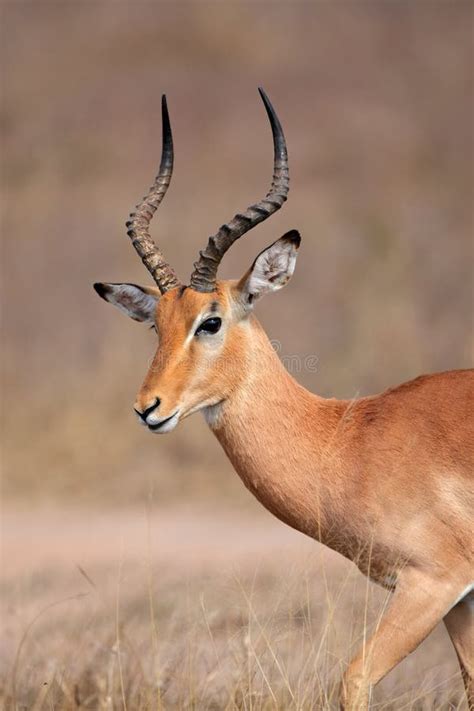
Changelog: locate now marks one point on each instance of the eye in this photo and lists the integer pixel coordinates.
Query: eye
(210, 325)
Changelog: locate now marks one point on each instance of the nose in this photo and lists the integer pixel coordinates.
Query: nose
(143, 414)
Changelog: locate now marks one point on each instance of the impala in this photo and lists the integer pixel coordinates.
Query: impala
(387, 480)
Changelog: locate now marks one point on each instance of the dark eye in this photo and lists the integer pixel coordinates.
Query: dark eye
(211, 325)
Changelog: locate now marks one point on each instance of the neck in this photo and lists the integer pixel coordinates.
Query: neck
(277, 436)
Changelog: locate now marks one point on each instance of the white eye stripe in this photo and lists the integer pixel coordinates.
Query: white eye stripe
(204, 316)
(196, 323)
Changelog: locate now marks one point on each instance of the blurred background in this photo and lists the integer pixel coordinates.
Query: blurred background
(376, 103)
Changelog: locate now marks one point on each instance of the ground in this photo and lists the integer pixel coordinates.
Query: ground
(182, 608)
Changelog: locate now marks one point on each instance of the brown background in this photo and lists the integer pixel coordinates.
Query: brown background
(204, 601)
(376, 102)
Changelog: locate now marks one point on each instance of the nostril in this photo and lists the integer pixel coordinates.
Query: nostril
(152, 407)
(143, 415)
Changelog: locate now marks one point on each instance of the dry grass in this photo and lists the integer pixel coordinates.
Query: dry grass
(191, 611)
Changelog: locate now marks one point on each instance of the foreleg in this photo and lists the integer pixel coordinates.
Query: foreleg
(418, 604)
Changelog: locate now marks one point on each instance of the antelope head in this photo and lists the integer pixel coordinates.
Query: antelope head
(205, 329)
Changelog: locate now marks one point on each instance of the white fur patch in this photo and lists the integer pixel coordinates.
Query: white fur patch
(211, 414)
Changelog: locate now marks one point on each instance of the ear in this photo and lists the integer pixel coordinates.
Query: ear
(272, 269)
(138, 302)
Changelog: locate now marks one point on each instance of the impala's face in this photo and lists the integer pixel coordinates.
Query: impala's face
(197, 358)
(203, 338)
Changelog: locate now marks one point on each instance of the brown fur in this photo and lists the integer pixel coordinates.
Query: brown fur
(385, 480)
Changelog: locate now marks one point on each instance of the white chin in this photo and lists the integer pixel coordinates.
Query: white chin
(167, 426)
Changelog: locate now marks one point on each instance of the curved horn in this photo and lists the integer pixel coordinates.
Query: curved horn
(137, 226)
(204, 275)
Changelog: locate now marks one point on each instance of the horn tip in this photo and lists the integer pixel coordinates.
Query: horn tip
(263, 95)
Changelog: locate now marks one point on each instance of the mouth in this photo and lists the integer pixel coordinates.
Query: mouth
(165, 425)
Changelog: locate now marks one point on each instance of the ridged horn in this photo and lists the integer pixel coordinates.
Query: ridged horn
(138, 225)
(204, 275)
